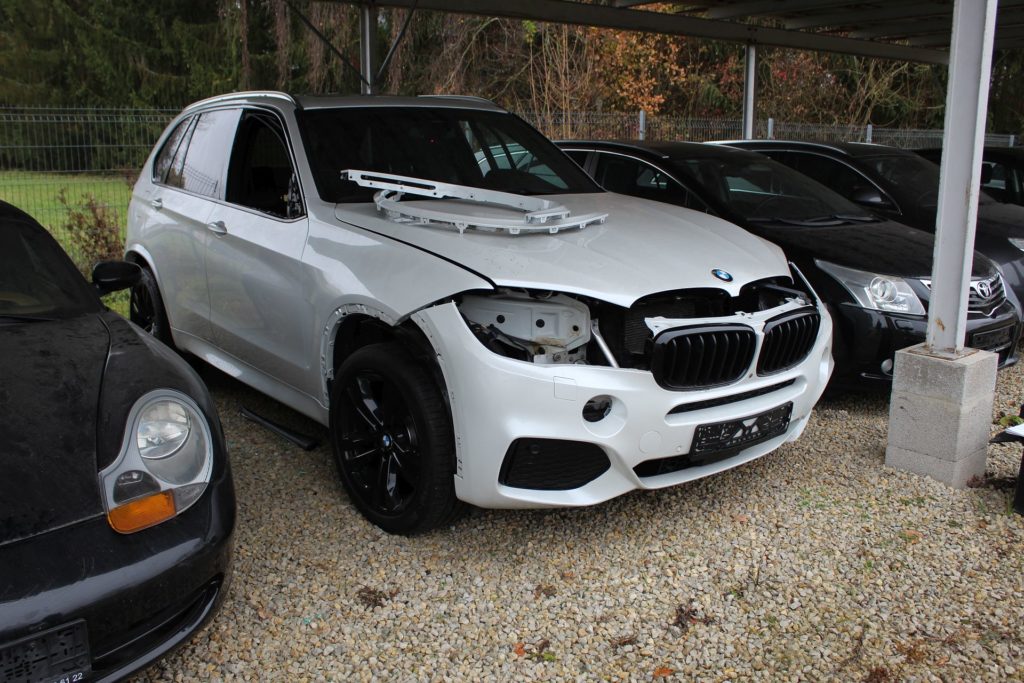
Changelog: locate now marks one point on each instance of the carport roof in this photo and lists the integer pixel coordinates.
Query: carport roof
(909, 30)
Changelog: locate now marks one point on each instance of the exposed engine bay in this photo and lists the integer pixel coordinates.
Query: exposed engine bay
(557, 328)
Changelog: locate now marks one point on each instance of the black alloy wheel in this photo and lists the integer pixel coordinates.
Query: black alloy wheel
(146, 308)
(392, 441)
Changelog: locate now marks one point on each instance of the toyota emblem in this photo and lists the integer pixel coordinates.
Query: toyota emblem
(984, 289)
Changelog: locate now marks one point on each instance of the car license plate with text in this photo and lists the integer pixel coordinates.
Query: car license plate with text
(720, 436)
(58, 655)
(992, 339)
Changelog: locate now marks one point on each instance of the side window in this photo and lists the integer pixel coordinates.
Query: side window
(577, 155)
(261, 175)
(996, 180)
(168, 152)
(207, 154)
(829, 172)
(633, 177)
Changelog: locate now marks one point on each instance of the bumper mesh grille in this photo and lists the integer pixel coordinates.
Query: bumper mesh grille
(706, 356)
(787, 340)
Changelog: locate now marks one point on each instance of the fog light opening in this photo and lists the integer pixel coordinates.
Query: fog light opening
(597, 408)
(887, 366)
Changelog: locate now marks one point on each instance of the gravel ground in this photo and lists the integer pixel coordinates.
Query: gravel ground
(813, 563)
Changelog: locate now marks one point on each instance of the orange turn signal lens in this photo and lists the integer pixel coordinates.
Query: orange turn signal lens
(142, 513)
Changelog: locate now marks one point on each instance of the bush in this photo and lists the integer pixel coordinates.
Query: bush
(93, 232)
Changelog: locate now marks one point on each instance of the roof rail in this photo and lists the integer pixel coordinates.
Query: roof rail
(463, 97)
(247, 94)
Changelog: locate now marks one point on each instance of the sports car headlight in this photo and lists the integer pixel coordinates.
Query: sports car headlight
(164, 465)
(878, 292)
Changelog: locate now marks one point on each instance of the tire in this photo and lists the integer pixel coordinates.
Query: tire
(146, 308)
(392, 441)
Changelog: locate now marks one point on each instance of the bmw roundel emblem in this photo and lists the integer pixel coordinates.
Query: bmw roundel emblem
(722, 275)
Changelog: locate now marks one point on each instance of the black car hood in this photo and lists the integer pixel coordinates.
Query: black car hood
(52, 375)
(1001, 220)
(885, 247)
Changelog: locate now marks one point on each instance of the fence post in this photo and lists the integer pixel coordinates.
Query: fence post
(643, 123)
(771, 128)
(867, 133)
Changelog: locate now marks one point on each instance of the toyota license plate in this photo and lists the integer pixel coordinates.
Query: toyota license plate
(58, 655)
(992, 339)
(721, 436)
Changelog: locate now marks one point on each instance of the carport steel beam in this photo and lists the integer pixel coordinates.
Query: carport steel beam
(959, 182)
(603, 16)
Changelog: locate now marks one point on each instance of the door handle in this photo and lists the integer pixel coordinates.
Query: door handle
(217, 228)
(157, 203)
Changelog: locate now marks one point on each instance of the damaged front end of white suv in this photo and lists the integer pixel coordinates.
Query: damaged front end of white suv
(565, 397)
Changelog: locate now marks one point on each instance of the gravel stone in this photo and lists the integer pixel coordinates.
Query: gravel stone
(815, 563)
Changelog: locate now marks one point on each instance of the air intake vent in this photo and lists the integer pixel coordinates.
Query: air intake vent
(787, 340)
(704, 356)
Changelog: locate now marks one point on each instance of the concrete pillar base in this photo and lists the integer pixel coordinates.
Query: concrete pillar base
(940, 413)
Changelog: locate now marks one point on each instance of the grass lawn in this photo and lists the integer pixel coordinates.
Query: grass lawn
(38, 194)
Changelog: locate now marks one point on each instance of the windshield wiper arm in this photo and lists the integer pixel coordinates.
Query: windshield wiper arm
(819, 221)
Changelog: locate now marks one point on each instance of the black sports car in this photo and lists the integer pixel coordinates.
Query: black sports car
(116, 502)
(902, 186)
(873, 274)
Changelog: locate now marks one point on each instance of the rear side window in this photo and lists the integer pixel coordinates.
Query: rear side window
(207, 154)
(175, 142)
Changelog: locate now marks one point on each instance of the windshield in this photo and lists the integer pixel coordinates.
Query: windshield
(485, 149)
(37, 279)
(766, 191)
(911, 176)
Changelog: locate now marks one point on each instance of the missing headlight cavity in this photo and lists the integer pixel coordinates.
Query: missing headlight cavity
(541, 327)
(550, 327)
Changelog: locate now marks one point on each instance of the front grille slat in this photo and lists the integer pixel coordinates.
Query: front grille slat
(702, 356)
(787, 340)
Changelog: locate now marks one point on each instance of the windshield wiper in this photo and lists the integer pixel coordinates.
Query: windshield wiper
(817, 222)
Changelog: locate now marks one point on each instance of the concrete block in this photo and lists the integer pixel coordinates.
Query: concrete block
(952, 473)
(940, 413)
(919, 372)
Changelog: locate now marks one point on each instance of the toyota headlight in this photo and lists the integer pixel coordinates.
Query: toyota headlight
(165, 462)
(878, 292)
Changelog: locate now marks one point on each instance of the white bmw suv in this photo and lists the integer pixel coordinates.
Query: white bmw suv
(475, 320)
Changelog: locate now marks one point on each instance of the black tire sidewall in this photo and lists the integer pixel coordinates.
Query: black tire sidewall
(434, 501)
(161, 328)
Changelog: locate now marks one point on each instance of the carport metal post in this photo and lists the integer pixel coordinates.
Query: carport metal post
(368, 47)
(749, 91)
(942, 394)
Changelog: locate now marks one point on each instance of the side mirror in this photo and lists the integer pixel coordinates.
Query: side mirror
(111, 276)
(870, 196)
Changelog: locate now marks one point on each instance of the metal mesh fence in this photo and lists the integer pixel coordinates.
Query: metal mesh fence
(55, 163)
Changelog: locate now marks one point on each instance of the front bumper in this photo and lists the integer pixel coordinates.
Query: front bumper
(495, 401)
(866, 339)
(140, 595)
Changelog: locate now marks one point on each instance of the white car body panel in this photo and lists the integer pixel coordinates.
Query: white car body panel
(643, 247)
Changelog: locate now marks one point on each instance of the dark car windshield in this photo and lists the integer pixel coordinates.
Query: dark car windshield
(484, 149)
(765, 190)
(914, 178)
(37, 279)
